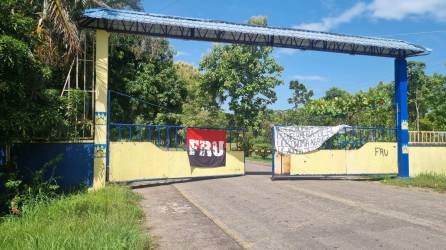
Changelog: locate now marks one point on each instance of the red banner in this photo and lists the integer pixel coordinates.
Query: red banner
(206, 148)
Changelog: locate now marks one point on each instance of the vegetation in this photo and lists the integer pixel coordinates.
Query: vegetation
(301, 95)
(244, 76)
(21, 187)
(425, 180)
(34, 61)
(106, 219)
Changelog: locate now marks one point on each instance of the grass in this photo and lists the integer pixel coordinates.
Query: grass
(425, 180)
(107, 219)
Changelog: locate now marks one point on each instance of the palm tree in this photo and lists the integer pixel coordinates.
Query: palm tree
(58, 15)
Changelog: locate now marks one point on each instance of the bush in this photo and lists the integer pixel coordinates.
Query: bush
(21, 187)
(262, 149)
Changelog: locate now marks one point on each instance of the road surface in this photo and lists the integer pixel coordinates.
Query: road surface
(256, 213)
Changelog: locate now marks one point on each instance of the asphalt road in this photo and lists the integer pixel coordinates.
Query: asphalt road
(256, 213)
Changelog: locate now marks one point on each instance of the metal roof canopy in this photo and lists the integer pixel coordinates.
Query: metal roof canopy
(133, 22)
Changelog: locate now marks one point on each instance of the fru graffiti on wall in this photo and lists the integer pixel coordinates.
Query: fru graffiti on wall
(381, 152)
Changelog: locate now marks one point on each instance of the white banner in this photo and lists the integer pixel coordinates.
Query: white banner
(303, 139)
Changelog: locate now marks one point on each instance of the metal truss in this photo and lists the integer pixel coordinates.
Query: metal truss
(131, 22)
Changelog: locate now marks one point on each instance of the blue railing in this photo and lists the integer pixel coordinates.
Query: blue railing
(169, 137)
(356, 137)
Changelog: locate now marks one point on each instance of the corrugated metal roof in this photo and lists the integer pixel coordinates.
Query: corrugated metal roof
(125, 21)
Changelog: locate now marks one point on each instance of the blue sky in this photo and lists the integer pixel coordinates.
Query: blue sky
(418, 21)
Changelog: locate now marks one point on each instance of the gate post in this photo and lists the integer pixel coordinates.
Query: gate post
(273, 152)
(100, 125)
(401, 115)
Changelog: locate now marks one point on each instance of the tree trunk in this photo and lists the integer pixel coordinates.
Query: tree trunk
(417, 109)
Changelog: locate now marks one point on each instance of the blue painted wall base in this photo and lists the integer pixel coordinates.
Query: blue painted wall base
(75, 168)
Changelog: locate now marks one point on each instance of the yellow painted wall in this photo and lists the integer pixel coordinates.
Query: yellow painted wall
(144, 160)
(319, 162)
(427, 160)
(372, 158)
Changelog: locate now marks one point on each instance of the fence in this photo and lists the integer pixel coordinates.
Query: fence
(427, 137)
(356, 137)
(167, 137)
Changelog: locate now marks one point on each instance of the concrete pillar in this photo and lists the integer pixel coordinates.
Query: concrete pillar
(402, 123)
(101, 92)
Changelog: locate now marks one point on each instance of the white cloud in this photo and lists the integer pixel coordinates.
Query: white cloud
(382, 9)
(309, 78)
(329, 23)
(400, 9)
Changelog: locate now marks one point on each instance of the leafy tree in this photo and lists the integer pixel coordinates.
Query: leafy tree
(244, 77)
(58, 18)
(334, 92)
(418, 89)
(198, 110)
(157, 83)
(368, 108)
(300, 94)
(435, 99)
(28, 108)
(143, 68)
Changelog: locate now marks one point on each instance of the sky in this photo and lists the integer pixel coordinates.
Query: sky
(421, 22)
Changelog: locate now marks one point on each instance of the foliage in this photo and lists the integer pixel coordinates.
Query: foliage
(158, 83)
(25, 102)
(107, 219)
(334, 92)
(57, 18)
(435, 118)
(365, 108)
(425, 180)
(424, 95)
(301, 95)
(198, 109)
(244, 77)
(143, 68)
(20, 186)
(57, 15)
(263, 149)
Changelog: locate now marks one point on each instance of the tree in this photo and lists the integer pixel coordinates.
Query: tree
(334, 92)
(300, 94)
(418, 84)
(156, 83)
(57, 18)
(244, 77)
(27, 107)
(197, 109)
(435, 100)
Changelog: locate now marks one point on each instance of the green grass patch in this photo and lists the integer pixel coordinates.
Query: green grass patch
(106, 219)
(425, 180)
